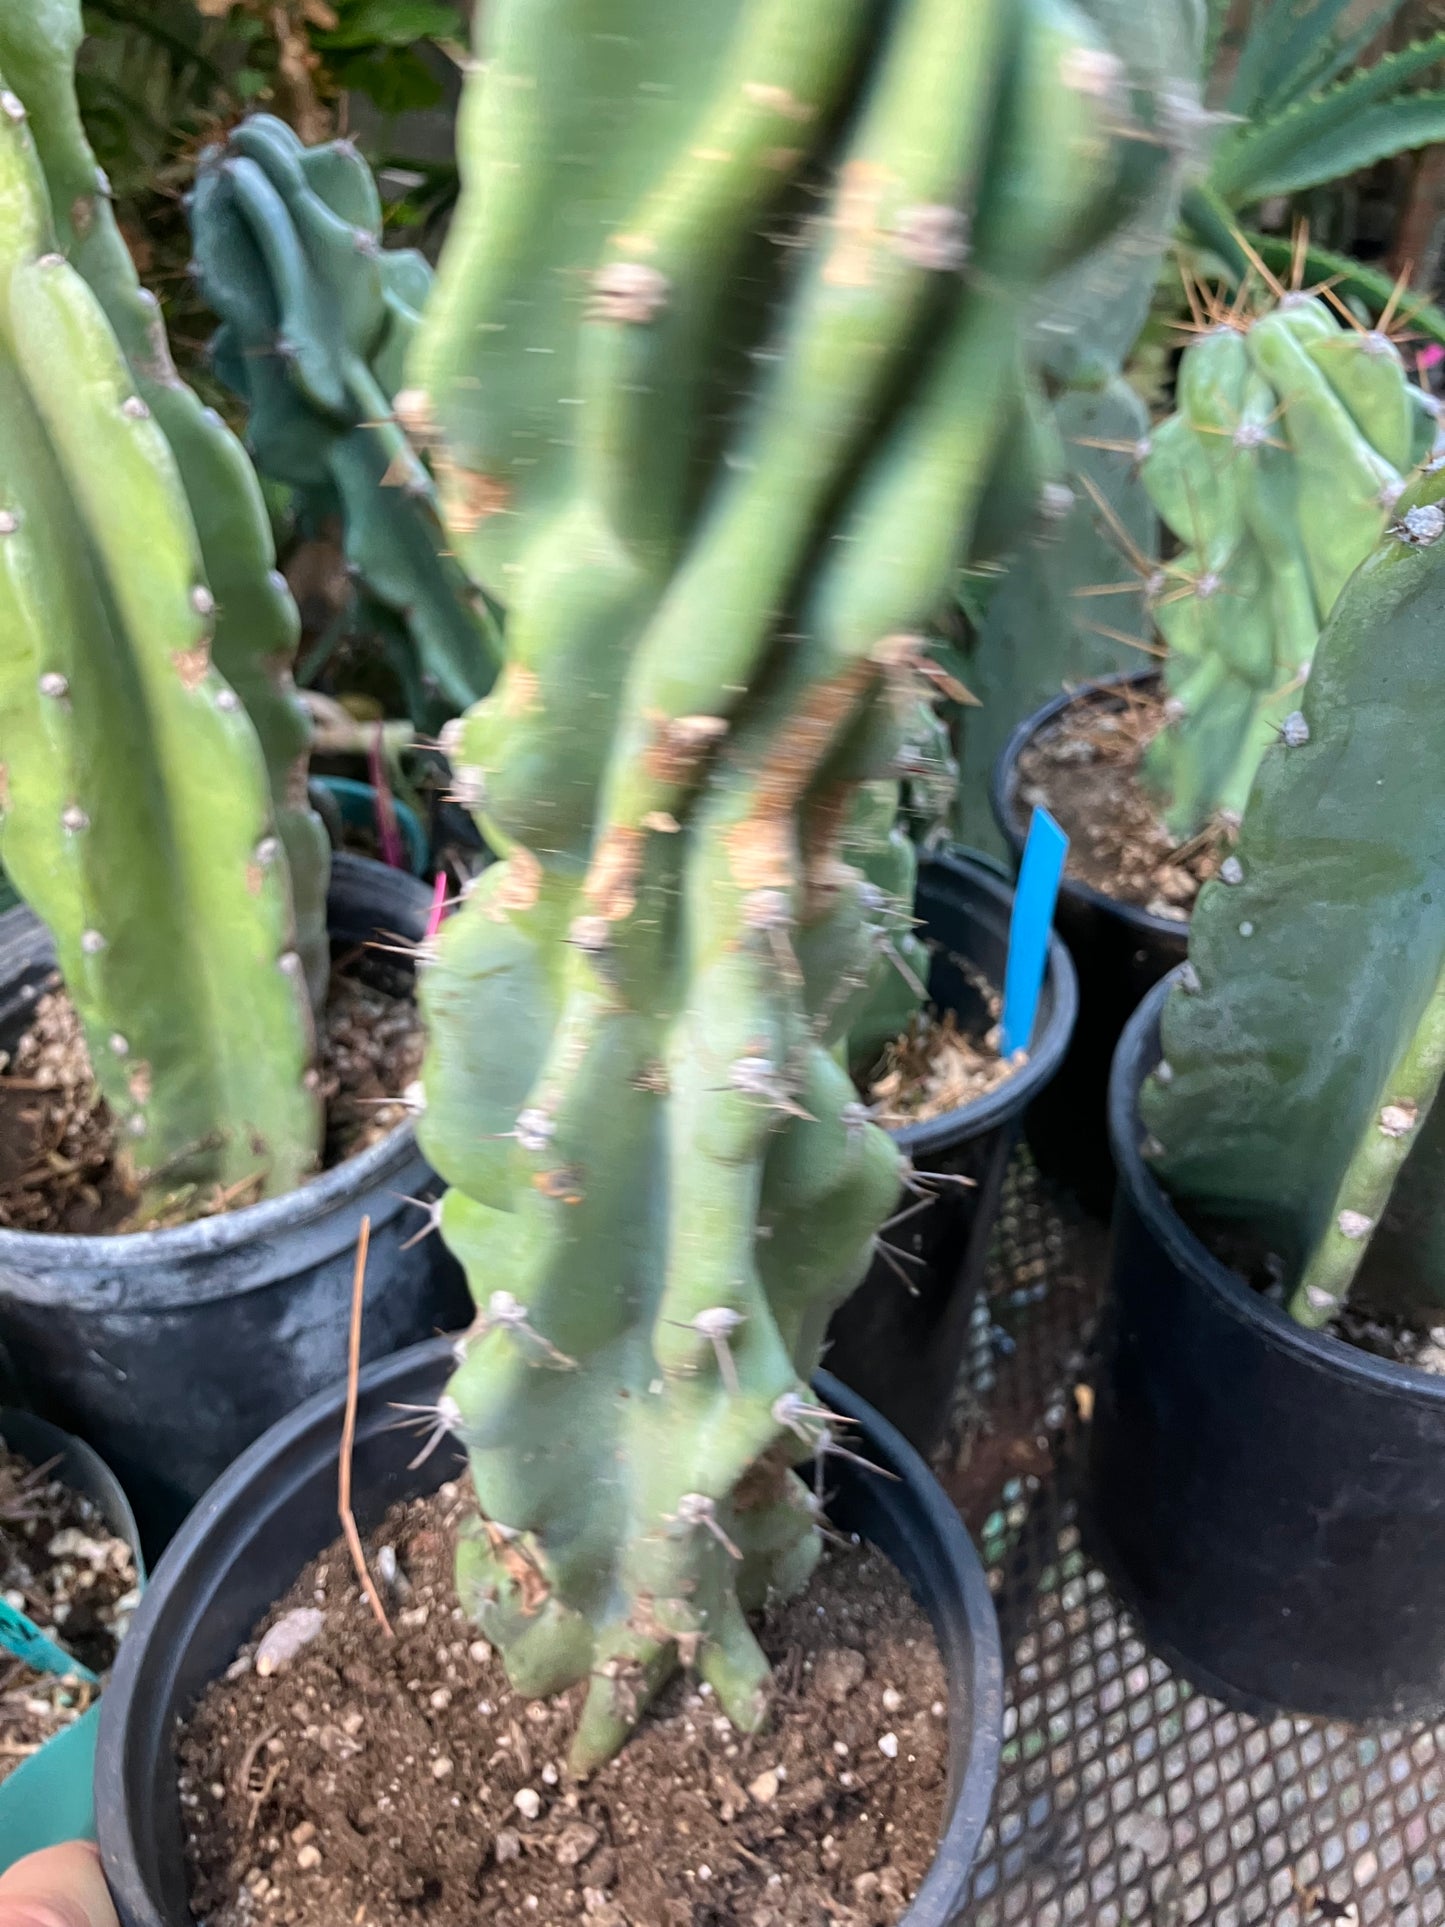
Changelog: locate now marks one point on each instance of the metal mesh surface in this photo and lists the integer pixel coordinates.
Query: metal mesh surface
(1126, 1798)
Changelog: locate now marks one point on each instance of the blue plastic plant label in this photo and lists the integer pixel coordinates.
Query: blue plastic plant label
(1035, 894)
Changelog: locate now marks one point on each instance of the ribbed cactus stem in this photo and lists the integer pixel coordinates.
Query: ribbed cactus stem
(1371, 1175)
(1291, 442)
(256, 627)
(717, 372)
(317, 317)
(136, 814)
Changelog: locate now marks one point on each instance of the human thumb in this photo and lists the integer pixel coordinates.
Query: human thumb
(58, 1887)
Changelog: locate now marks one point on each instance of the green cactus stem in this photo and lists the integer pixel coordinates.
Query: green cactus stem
(136, 813)
(1302, 1057)
(256, 627)
(317, 317)
(1291, 443)
(1068, 607)
(714, 379)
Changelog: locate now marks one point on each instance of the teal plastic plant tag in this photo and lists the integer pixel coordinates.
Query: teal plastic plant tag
(23, 1638)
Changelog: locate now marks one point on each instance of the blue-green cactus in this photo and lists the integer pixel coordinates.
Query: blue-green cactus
(316, 318)
(1302, 1055)
(1068, 605)
(722, 485)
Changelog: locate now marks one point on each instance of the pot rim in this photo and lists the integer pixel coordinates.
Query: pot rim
(328, 1192)
(1138, 1050)
(1001, 799)
(1047, 1048)
(971, 1790)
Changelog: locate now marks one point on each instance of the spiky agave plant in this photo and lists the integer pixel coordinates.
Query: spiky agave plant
(1300, 109)
(714, 377)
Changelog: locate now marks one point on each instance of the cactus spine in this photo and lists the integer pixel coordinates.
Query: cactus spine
(255, 625)
(1292, 441)
(316, 320)
(1300, 1086)
(136, 813)
(714, 378)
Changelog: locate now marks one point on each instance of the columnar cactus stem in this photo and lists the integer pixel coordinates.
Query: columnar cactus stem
(136, 815)
(1299, 1092)
(1292, 441)
(256, 627)
(716, 425)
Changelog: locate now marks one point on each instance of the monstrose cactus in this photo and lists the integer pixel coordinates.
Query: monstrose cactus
(713, 379)
(1299, 1092)
(1291, 443)
(316, 320)
(145, 689)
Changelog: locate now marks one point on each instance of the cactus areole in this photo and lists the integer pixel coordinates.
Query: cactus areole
(712, 379)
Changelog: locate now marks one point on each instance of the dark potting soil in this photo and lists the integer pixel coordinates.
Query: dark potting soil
(58, 1170)
(1084, 769)
(376, 1782)
(1384, 1334)
(62, 1566)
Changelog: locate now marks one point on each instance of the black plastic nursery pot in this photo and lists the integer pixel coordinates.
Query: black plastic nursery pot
(170, 1351)
(276, 1508)
(1120, 952)
(48, 1798)
(1268, 1499)
(900, 1339)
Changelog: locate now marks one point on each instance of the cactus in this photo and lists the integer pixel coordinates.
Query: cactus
(1302, 1053)
(255, 625)
(1067, 487)
(136, 810)
(714, 376)
(1067, 607)
(316, 320)
(1290, 446)
(1302, 110)
(1091, 313)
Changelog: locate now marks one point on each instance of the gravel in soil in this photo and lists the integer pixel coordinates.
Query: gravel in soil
(58, 1169)
(937, 1066)
(1084, 769)
(1393, 1337)
(380, 1782)
(62, 1566)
